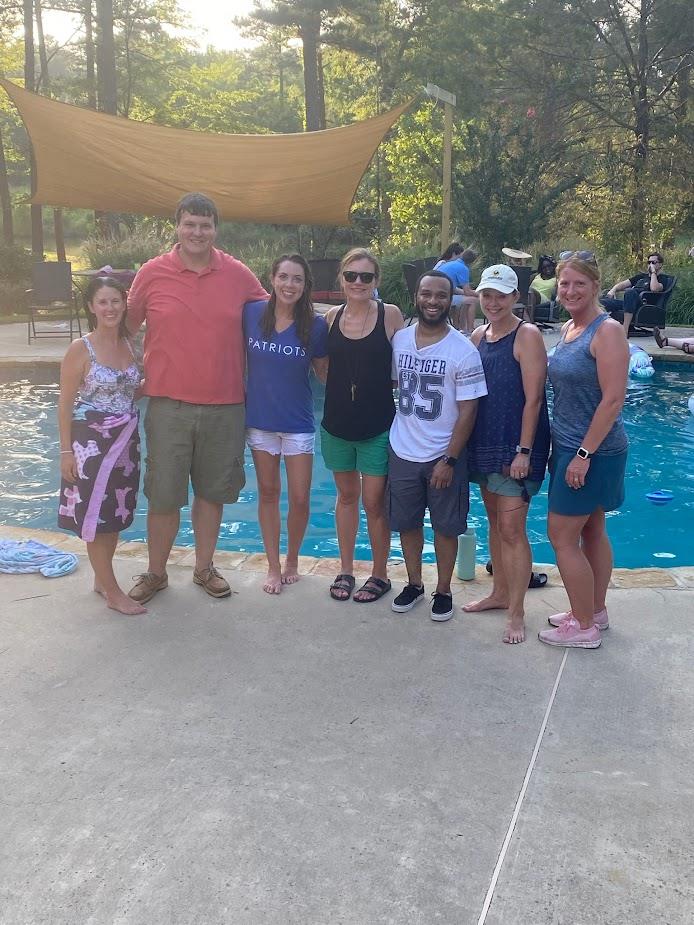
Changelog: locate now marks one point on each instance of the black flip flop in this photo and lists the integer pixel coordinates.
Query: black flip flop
(537, 579)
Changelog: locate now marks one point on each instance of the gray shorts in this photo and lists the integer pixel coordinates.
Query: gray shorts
(409, 494)
(203, 443)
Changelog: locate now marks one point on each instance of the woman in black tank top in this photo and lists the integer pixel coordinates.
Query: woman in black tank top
(359, 410)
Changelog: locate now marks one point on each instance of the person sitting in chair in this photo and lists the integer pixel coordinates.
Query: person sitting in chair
(543, 286)
(636, 290)
(455, 262)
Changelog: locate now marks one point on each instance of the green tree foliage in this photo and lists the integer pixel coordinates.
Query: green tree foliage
(623, 68)
(573, 119)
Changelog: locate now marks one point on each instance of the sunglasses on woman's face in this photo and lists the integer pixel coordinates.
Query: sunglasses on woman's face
(351, 276)
(588, 256)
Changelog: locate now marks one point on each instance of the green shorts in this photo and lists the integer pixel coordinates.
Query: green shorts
(203, 443)
(504, 485)
(370, 457)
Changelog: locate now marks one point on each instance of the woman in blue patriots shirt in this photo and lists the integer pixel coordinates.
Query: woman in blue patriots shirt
(284, 339)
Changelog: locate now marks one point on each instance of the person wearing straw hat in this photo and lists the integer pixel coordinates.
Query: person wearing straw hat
(517, 258)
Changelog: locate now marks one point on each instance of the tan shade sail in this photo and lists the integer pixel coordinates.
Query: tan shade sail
(90, 160)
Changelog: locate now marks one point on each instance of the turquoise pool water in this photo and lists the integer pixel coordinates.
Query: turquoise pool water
(661, 431)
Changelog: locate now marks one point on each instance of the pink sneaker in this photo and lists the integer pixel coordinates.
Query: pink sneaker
(570, 634)
(601, 619)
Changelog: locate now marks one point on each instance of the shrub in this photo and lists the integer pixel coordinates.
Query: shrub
(15, 264)
(392, 286)
(125, 253)
(680, 308)
(259, 257)
(13, 299)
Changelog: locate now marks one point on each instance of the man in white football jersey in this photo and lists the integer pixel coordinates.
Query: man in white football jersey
(440, 377)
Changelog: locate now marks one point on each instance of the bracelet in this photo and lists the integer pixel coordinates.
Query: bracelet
(65, 452)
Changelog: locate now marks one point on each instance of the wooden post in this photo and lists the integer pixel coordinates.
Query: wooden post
(447, 152)
(449, 101)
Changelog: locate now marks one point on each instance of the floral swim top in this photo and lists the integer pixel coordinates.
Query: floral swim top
(108, 389)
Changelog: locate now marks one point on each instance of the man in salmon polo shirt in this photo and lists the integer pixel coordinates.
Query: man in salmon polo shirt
(192, 301)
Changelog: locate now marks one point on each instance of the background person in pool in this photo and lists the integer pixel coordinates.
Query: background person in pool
(359, 410)
(99, 441)
(588, 371)
(509, 445)
(284, 338)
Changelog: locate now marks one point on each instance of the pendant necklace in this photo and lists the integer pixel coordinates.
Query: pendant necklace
(353, 377)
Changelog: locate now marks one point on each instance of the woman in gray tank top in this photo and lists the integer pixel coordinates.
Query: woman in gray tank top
(588, 372)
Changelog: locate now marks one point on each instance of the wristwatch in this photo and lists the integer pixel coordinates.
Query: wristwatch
(524, 450)
(449, 460)
(583, 453)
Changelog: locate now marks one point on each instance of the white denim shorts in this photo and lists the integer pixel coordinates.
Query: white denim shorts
(279, 444)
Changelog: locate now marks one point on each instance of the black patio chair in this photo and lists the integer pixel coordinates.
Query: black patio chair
(414, 269)
(651, 312)
(525, 275)
(326, 287)
(52, 298)
(547, 314)
(409, 271)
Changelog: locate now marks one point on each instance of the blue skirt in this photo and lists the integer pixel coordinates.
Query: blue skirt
(604, 487)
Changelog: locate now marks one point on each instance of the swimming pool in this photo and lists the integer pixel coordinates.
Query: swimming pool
(660, 427)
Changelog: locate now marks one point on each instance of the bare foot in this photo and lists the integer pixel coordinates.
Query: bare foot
(486, 603)
(273, 582)
(100, 590)
(290, 575)
(123, 604)
(515, 630)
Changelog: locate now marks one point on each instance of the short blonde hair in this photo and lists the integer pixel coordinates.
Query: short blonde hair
(588, 268)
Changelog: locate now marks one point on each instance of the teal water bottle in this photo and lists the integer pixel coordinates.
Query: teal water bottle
(465, 563)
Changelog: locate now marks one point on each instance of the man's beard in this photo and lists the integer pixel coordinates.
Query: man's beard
(427, 322)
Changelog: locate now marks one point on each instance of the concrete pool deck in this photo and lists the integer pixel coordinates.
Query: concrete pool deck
(299, 760)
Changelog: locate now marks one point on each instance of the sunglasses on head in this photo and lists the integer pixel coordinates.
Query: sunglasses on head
(588, 256)
(351, 276)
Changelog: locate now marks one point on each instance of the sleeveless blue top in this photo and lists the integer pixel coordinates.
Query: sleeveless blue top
(497, 431)
(108, 389)
(573, 373)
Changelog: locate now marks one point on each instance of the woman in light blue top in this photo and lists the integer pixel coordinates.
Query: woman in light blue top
(285, 339)
(588, 372)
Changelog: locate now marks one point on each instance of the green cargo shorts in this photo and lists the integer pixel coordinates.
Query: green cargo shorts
(203, 443)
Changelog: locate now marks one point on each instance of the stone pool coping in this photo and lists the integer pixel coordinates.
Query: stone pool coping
(677, 578)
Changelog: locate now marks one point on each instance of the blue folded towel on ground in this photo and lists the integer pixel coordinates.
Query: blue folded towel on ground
(19, 557)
